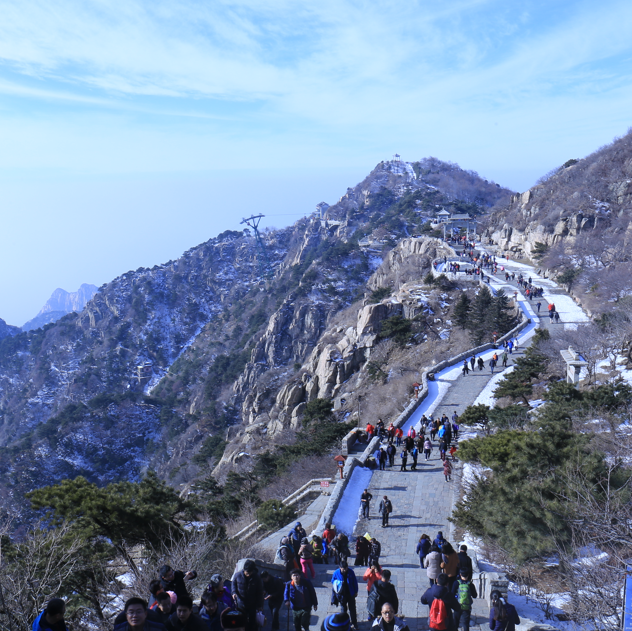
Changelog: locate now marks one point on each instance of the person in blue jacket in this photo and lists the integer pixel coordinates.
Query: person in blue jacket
(423, 547)
(345, 590)
(439, 540)
(52, 617)
(301, 596)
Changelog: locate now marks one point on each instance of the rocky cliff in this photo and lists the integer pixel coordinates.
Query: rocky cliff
(59, 304)
(161, 359)
(581, 201)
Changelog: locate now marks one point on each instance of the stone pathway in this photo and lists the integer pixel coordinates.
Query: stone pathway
(422, 501)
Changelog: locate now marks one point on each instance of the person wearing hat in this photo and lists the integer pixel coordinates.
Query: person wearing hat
(52, 617)
(388, 621)
(344, 591)
(300, 595)
(297, 534)
(218, 588)
(440, 591)
(233, 620)
(173, 580)
(336, 622)
(247, 590)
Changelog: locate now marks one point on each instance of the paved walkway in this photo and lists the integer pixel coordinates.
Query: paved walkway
(422, 501)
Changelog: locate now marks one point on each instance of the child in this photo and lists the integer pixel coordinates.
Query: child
(447, 470)
(452, 452)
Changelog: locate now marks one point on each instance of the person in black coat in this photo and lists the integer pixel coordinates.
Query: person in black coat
(273, 589)
(382, 592)
(465, 561)
(440, 590)
(184, 619)
(173, 580)
(247, 590)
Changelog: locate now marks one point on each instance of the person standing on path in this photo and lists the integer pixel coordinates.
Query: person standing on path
(447, 470)
(557, 317)
(466, 369)
(345, 589)
(373, 573)
(363, 549)
(481, 363)
(365, 500)
(465, 561)
(502, 615)
(538, 305)
(427, 448)
(404, 459)
(306, 555)
(385, 509)
(382, 592)
(465, 592)
(273, 592)
(473, 361)
(300, 595)
(376, 552)
(382, 459)
(441, 592)
(247, 590)
(415, 454)
(505, 358)
(422, 549)
(391, 450)
(432, 563)
(492, 364)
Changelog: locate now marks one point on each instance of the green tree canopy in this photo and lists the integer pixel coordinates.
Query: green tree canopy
(123, 512)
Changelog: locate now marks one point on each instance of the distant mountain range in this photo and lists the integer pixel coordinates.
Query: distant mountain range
(60, 303)
(6, 330)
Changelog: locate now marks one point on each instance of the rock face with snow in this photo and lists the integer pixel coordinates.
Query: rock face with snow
(159, 359)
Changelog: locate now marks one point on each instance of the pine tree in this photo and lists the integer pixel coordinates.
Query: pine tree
(480, 317)
(502, 318)
(462, 311)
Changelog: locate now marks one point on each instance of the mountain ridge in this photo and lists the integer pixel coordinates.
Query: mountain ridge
(191, 349)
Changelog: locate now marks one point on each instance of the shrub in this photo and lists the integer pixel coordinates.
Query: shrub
(273, 514)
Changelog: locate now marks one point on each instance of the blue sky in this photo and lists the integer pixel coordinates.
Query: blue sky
(131, 131)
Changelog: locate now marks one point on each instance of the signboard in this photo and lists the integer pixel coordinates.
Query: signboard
(324, 483)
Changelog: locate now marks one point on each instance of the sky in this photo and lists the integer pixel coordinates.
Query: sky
(132, 131)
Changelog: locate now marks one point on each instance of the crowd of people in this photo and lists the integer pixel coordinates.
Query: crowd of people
(415, 443)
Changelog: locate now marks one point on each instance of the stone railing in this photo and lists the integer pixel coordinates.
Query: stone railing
(309, 487)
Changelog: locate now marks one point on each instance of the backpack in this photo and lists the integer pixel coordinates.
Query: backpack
(464, 596)
(388, 506)
(438, 616)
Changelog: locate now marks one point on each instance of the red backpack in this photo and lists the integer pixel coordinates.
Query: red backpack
(438, 617)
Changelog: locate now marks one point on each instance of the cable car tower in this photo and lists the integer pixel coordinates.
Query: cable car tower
(262, 259)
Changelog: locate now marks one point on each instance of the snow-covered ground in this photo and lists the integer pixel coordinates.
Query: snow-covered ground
(348, 511)
(486, 397)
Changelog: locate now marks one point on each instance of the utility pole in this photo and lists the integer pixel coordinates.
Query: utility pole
(262, 259)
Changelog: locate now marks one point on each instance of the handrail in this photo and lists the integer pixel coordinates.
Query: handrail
(294, 497)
